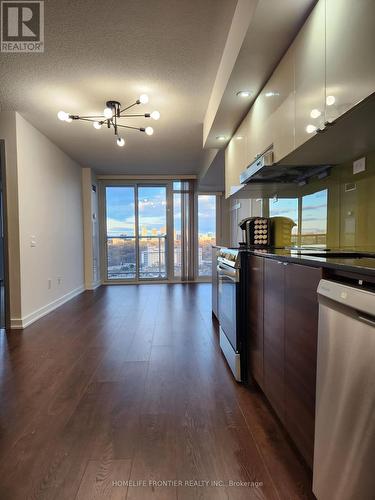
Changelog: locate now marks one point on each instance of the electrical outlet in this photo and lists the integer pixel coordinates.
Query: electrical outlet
(49, 284)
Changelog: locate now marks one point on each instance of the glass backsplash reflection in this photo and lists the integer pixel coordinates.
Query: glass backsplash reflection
(338, 211)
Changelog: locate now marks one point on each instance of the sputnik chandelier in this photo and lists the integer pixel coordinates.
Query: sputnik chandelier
(111, 116)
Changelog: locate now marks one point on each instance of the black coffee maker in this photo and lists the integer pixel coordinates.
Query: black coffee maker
(255, 231)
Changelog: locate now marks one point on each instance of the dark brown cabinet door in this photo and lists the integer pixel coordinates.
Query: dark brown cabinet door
(301, 331)
(273, 330)
(255, 318)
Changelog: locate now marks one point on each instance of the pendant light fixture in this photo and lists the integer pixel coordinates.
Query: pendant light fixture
(111, 118)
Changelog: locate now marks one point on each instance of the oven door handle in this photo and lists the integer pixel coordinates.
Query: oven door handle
(232, 275)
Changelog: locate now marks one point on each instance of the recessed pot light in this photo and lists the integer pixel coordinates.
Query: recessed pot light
(315, 113)
(239, 137)
(272, 94)
(221, 138)
(244, 93)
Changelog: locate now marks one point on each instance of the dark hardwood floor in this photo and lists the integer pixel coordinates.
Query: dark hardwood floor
(127, 383)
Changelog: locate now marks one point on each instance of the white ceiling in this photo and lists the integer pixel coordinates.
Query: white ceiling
(117, 49)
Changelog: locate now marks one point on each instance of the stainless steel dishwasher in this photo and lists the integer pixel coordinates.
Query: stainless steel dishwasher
(344, 452)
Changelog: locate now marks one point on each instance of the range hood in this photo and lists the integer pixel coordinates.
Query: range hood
(264, 170)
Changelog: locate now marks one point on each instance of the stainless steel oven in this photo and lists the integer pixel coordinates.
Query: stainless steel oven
(229, 308)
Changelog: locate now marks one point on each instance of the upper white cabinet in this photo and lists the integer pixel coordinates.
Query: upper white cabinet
(327, 70)
(280, 92)
(309, 52)
(258, 137)
(350, 46)
(236, 159)
(271, 119)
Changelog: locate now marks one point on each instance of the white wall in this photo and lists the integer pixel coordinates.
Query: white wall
(50, 214)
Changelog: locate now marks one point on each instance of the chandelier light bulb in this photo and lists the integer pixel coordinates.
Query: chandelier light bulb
(97, 125)
(143, 98)
(330, 100)
(61, 115)
(69, 120)
(155, 115)
(120, 142)
(149, 130)
(108, 113)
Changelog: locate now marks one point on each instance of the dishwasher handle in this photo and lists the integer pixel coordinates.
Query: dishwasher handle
(358, 299)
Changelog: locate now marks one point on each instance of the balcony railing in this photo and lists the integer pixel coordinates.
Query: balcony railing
(122, 261)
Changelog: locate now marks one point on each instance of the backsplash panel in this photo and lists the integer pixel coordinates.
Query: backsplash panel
(338, 211)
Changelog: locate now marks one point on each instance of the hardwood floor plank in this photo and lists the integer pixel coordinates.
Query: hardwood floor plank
(155, 458)
(98, 479)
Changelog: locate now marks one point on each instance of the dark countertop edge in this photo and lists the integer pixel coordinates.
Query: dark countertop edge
(317, 262)
(333, 263)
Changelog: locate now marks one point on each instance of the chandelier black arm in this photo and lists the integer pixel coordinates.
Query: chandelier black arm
(84, 117)
(144, 115)
(141, 129)
(131, 106)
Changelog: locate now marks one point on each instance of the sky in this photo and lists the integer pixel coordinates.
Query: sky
(120, 209)
(206, 214)
(152, 210)
(314, 211)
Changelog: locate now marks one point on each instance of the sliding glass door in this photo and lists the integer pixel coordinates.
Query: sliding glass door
(136, 232)
(152, 232)
(121, 248)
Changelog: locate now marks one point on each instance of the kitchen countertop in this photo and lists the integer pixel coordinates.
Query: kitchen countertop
(364, 265)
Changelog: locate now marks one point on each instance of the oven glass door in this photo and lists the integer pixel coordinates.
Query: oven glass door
(228, 282)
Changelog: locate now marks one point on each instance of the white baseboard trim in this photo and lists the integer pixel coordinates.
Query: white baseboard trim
(20, 323)
(94, 285)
